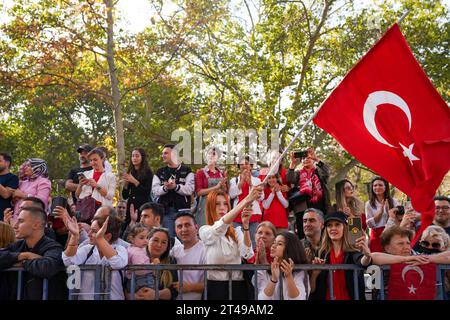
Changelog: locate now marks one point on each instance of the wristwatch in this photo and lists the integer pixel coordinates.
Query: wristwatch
(98, 188)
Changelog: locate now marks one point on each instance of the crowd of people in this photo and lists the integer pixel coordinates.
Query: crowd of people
(176, 216)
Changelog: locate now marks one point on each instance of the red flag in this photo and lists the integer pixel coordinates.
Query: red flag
(408, 282)
(388, 115)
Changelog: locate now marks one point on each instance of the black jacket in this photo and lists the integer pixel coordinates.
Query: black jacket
(138, 195)
(322, 280)
(174, 198)
(50, 266)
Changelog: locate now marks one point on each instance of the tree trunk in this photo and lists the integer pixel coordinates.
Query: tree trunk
(117, 111)
(341, 174)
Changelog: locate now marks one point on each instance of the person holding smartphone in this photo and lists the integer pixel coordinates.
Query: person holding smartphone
(73, 178)
(311, 181)
(336, 249)
(97, 183)
(137, 182)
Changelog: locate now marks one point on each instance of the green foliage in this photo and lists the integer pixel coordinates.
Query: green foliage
(269, 67)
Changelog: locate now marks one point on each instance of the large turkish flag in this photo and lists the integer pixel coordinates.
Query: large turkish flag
(388, 115)
(407, 282)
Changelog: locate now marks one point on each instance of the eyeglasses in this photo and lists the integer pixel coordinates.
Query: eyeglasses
(434, 245)
(348, 188)
(444, 208)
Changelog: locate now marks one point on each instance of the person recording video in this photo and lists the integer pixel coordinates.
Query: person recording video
(310, 185)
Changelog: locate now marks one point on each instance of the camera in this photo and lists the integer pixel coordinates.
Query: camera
(400, 210)
(300, 154)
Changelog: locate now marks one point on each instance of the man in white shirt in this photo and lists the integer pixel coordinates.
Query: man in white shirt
(191, 251)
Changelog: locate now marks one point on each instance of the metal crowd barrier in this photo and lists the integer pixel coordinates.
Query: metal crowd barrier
(238, 267)
(103, 276)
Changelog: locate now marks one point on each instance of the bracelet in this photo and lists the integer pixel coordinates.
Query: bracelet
(245, 229)
(273, 281)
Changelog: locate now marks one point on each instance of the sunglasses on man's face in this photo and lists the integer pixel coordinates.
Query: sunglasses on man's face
(434, 245)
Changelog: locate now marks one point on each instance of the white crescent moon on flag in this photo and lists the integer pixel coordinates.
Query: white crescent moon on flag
(413, 268)
(370, 108)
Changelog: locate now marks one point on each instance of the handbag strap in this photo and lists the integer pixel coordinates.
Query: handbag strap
(89, 254)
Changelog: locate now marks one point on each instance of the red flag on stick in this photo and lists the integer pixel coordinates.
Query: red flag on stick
(407, 282)
(388, 115)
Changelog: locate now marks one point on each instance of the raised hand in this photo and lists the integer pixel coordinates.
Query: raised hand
(102, 231)
(245, 216)
(287, 267)
(261, 257)
(347, 211)
(361, 245)
(7, 215)
(71, 224)
(255, 193)
(133, 214)
(275, 268)
(60, 213)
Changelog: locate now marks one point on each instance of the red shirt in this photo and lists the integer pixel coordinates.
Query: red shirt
(96, 177)
(282, 174)
(276, 213)
(252, 259)
(245, 191)
(339, 285)
(201, 180)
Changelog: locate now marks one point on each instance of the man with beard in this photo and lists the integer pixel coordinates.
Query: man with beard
(72, 179)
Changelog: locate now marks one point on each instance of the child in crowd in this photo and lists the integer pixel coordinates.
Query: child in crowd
(137, 254)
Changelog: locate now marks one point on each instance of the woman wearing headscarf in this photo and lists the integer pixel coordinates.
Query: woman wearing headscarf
(34, 182)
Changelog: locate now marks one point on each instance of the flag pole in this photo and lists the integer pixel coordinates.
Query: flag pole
(276, 164)
(403, 16)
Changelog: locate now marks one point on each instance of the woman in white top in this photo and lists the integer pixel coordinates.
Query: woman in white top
(226, 245)
(97, 183)
(286, 251)
(377, 210)
(100, 250)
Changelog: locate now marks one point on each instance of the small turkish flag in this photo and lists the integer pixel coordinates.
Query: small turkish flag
(407, 282)
(388, 115)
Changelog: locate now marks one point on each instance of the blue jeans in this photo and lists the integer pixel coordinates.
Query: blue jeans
(169, 220)
(252, 228)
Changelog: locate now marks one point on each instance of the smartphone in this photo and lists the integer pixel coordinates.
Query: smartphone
(58, 202)
(300, 154)
(354, 229)
(81, 175)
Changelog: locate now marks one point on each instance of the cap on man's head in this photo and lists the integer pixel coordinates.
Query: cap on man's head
(84, 147)
(336, 216)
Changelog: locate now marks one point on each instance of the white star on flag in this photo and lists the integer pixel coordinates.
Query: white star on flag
(412, 289)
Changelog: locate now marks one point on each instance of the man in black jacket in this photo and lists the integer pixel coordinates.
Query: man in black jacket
(173, 185)
(313, 177)
(39, 256)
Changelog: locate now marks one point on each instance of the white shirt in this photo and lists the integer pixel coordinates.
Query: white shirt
(235, 192)
(107, 180)
(264, 279)
(221, 250)
(108, 166)
(118, 261)
(194, 255)
(370, 213)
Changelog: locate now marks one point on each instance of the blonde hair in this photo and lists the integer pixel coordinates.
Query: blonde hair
(437, 233)
(356, 206)
(327, 244)
(135, 230)
(7, 235)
